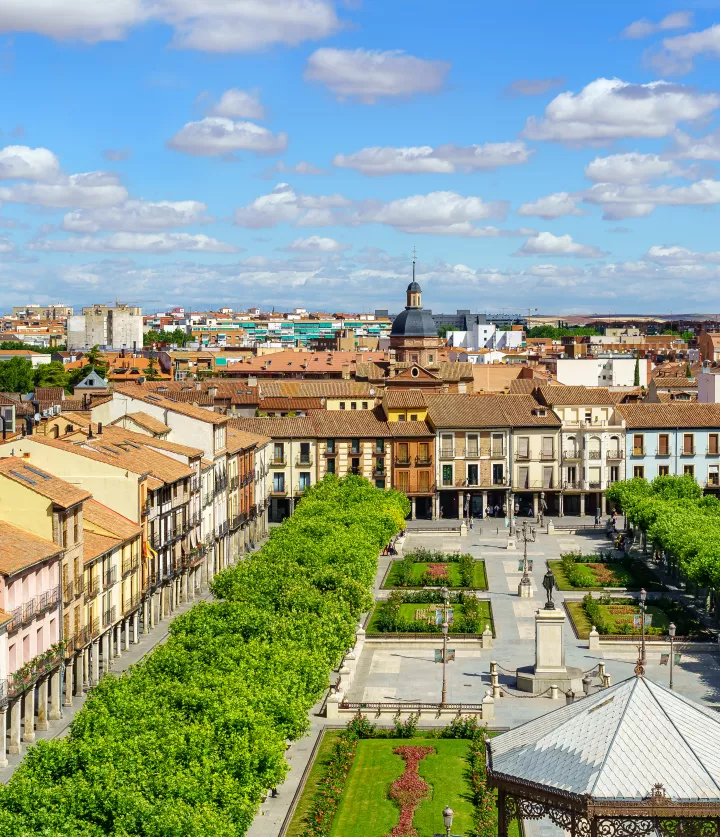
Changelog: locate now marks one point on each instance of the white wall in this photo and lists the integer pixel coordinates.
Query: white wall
(600, 372)
(708, 388)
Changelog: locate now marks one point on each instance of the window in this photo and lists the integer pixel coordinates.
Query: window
(279, 483)
(663, 444)
(279, 452)
(713, 443)
(523, 478)
(342, 405)
(304, 477)
(413, 417)
(572, 476)
(304, 453)
(615, 473)
(353, 405)
(594, 478)
(380, 445)
(423, 482)
(380, 484)
(64, 533)
(639, 471)
(638, 444)
(523, 447)
(402, 418)
(548, 447)
(548, 476)
(472, 446)
(497, 446)
(689, 470)
(430, 358)
(331, 466)
(423, 453)
(713, 475)
(688, 444)
(355, 465)
(446, 446)
(472, 475)
(588, 416)
(379, 465)
(663, 470)
(355, 446)
(364, 405)
(331, 445)
(447, 474)
(76, 533)
(498, 474)
(403, 457)
(404, 481)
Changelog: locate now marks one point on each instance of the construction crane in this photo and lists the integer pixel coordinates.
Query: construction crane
(529, 310)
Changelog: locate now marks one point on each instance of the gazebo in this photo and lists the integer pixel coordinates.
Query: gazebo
(629, 760)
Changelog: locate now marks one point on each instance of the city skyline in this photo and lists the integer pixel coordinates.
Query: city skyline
(292, 154)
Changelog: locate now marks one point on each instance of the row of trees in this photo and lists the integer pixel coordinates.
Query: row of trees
(178, 337)
(187, 742)
(677, 518)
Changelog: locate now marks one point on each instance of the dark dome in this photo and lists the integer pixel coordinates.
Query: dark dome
(413, 287)
(414, 322)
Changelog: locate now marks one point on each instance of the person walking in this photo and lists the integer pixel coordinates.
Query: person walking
(598, 516)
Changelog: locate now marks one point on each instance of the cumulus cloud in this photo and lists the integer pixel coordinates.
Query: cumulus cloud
(6, 245)
(315, 244)
(239, 104)
(552, 206)
(134, 243)
(444, 159)
(629, 168)
(369, 75)
(547, 244)
(302, 168)
(678, 54)
(681, 255)
(609, 109)
(137, 216)
(117, 154)
(703, 148)
(229, 26)
(216, 136)
(89, 190)
(638, 201)
(284, 205)
(21, 162)
(643, 28)
(533, 86)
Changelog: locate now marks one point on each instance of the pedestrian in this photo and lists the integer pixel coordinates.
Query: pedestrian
(517, 509)
(529, 511)
(598, 516)
(497, 510)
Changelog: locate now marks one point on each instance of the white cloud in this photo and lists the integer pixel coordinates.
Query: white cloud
(117, 154)
(703, 148)
(135, 243)
(227, 26)
(6, 246)
(137, 216)
(609, 109)
(638, 201)
(21, 162)
(681, 256)
(215, 136)
(239, 104)
(629, 168)
(677, 54)
(552, 206)
(533, 86)
(315, 244)
(444, 159)
(370, 75)
(302, 168)
(644, 28)
(547, 244)
(284, 205)
(89, 190)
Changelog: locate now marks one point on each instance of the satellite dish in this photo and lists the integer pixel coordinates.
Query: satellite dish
(37, 416)
(372, 390)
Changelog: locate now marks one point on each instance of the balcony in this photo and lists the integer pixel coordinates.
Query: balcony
(594, 454)
(47, 600)
(638, 451)
(379, 473)
(155, 541)
(16, 620)
(300, 489)
(356, 471)
(572, 453)
(28, 611)
(95, 627)
(402, 462)
(108, 617)
(79, 585)
(109, 578)
(497, 452)
(688, 451)
(662, 452)
(131, 603)
(223, 529)
(447, 453)
(303, 461)
(94, 586)
(68, 592)
(277, 491)
(573, 485)
(329, 452)
(423, 461)
(713, 481)
(234, 482)
(425, 489)
(549, 454)
(145, 509)
(194, 485)
(207, 499)
(235, 522)
(525, 455)
(278, 462)
(616, 454)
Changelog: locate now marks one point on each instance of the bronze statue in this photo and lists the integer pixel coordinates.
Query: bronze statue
(549, 584)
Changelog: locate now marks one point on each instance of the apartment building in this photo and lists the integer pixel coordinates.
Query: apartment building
(404, 405)
(246, 512)
(413, 465)
(592, 446)
(353, 443)
(673, 439)
(291, 459)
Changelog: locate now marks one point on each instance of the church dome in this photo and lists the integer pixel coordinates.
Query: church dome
(413, 287)
(414, 322)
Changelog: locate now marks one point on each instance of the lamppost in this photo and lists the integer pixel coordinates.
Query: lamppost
(445, 595)
(671, 631)
(643, 607)
(448, 819)
(527, 534)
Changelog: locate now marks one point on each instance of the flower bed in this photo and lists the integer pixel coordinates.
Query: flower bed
(420, 612)
(430, 568)
(575, 571)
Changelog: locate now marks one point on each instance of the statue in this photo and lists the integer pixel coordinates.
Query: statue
(549, 584)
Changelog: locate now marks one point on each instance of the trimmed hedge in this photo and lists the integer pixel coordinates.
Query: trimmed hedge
(186, 743)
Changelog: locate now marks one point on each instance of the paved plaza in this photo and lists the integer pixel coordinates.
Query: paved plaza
(390, 671)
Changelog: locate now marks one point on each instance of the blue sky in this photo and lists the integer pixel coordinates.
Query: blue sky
(283, 153)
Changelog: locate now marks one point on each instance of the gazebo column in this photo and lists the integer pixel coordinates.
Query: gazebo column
(501, 813)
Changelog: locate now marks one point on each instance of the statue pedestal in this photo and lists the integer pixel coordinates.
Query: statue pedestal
(549, 669)
(525, 590)
(510, 543)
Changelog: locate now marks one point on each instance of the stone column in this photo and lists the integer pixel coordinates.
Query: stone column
(126, 639)
(79, 673)
(136, 627)
(15, 747)
(42, 710)
(484, 503)
(561, 504)
(412, 508)
(56, 692)
(3, 737)
(461, 505)
(86, 667)
(68, 683)
(146, 616)
(118, 640)
(186, 581)
(582, 504)
(536, 503)
(603, 503)
(29, 724)
(95, 663)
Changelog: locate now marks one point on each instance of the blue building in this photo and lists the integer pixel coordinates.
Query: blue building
(673, 438)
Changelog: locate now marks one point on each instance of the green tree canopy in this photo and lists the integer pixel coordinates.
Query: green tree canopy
(52, 374)
(16, 375)
(556, 333)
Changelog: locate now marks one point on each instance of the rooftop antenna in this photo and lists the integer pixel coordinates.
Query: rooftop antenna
(414, 259)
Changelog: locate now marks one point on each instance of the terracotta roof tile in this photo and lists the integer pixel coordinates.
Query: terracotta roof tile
(290, 403)
(155, 426)
(683, 414)
(478, 411)
(314, 389)
(20, 549)
(349, 424)
(276, 428)
(117, 524)
(141, 394)
(667, 382)
(401, 429)
(95, 545)
(238, 440)
(575, 395)
(26, 473)
(402, 399)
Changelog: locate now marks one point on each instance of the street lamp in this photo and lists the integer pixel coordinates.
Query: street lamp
(527, 534)
(643, 596)
(445, 595)
(448, 819)
(586, 683)
(671, 631)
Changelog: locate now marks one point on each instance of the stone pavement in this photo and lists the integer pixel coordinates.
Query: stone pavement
(395, 671)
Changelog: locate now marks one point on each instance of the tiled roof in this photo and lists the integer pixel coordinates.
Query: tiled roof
(276, 428)
(618, 744)
(95, 545)
(371, 371)
(26, 473)
(402, 429)
(75, 417)
(580, 396)
(290, 403)
(403, 399)
(349, 424)
(314, 389)
(191, 396)
(238, 440)
(674, 383)
(141, 394)
(234, 391)
(685, 414)
(525, 386)
(106, 518)
(52, 394)
(150, 423)
(119, 434)
(20, 549)
(478, 411)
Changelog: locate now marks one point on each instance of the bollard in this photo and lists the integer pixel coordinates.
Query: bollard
(606, 681)
(493, 667)
(601, 671)
(594, 639)
(488, 707)
(570, 697)
(554, 692)
(487, 638)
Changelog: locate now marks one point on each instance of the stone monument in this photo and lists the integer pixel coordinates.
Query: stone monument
(549, 669)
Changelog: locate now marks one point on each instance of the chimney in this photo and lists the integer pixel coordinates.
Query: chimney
(90, 433)
(212, 392)
(26, 455)
(198, 385)
(99, 432)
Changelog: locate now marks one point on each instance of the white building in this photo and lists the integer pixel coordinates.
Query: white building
(709, 387)
(485, 336)
(110, 327)
(601, 371)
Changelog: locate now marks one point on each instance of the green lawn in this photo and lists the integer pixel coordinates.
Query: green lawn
(407, 612)
(660, 619)
(317, 772)
(632, 576)
(479, 577)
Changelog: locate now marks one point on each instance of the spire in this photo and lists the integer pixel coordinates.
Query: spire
(414, 260)
(414, 293)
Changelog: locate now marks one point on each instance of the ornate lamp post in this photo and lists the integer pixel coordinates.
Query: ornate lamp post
(448, 819)
(446, 595)
(643, 607)
(527, 535)
(671, 631)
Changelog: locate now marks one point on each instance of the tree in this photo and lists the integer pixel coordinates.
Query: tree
(443, 330)
(688, 371)
(636, 376)
(16, 375)
(96, 359)
(151, 371)
(52, 374)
